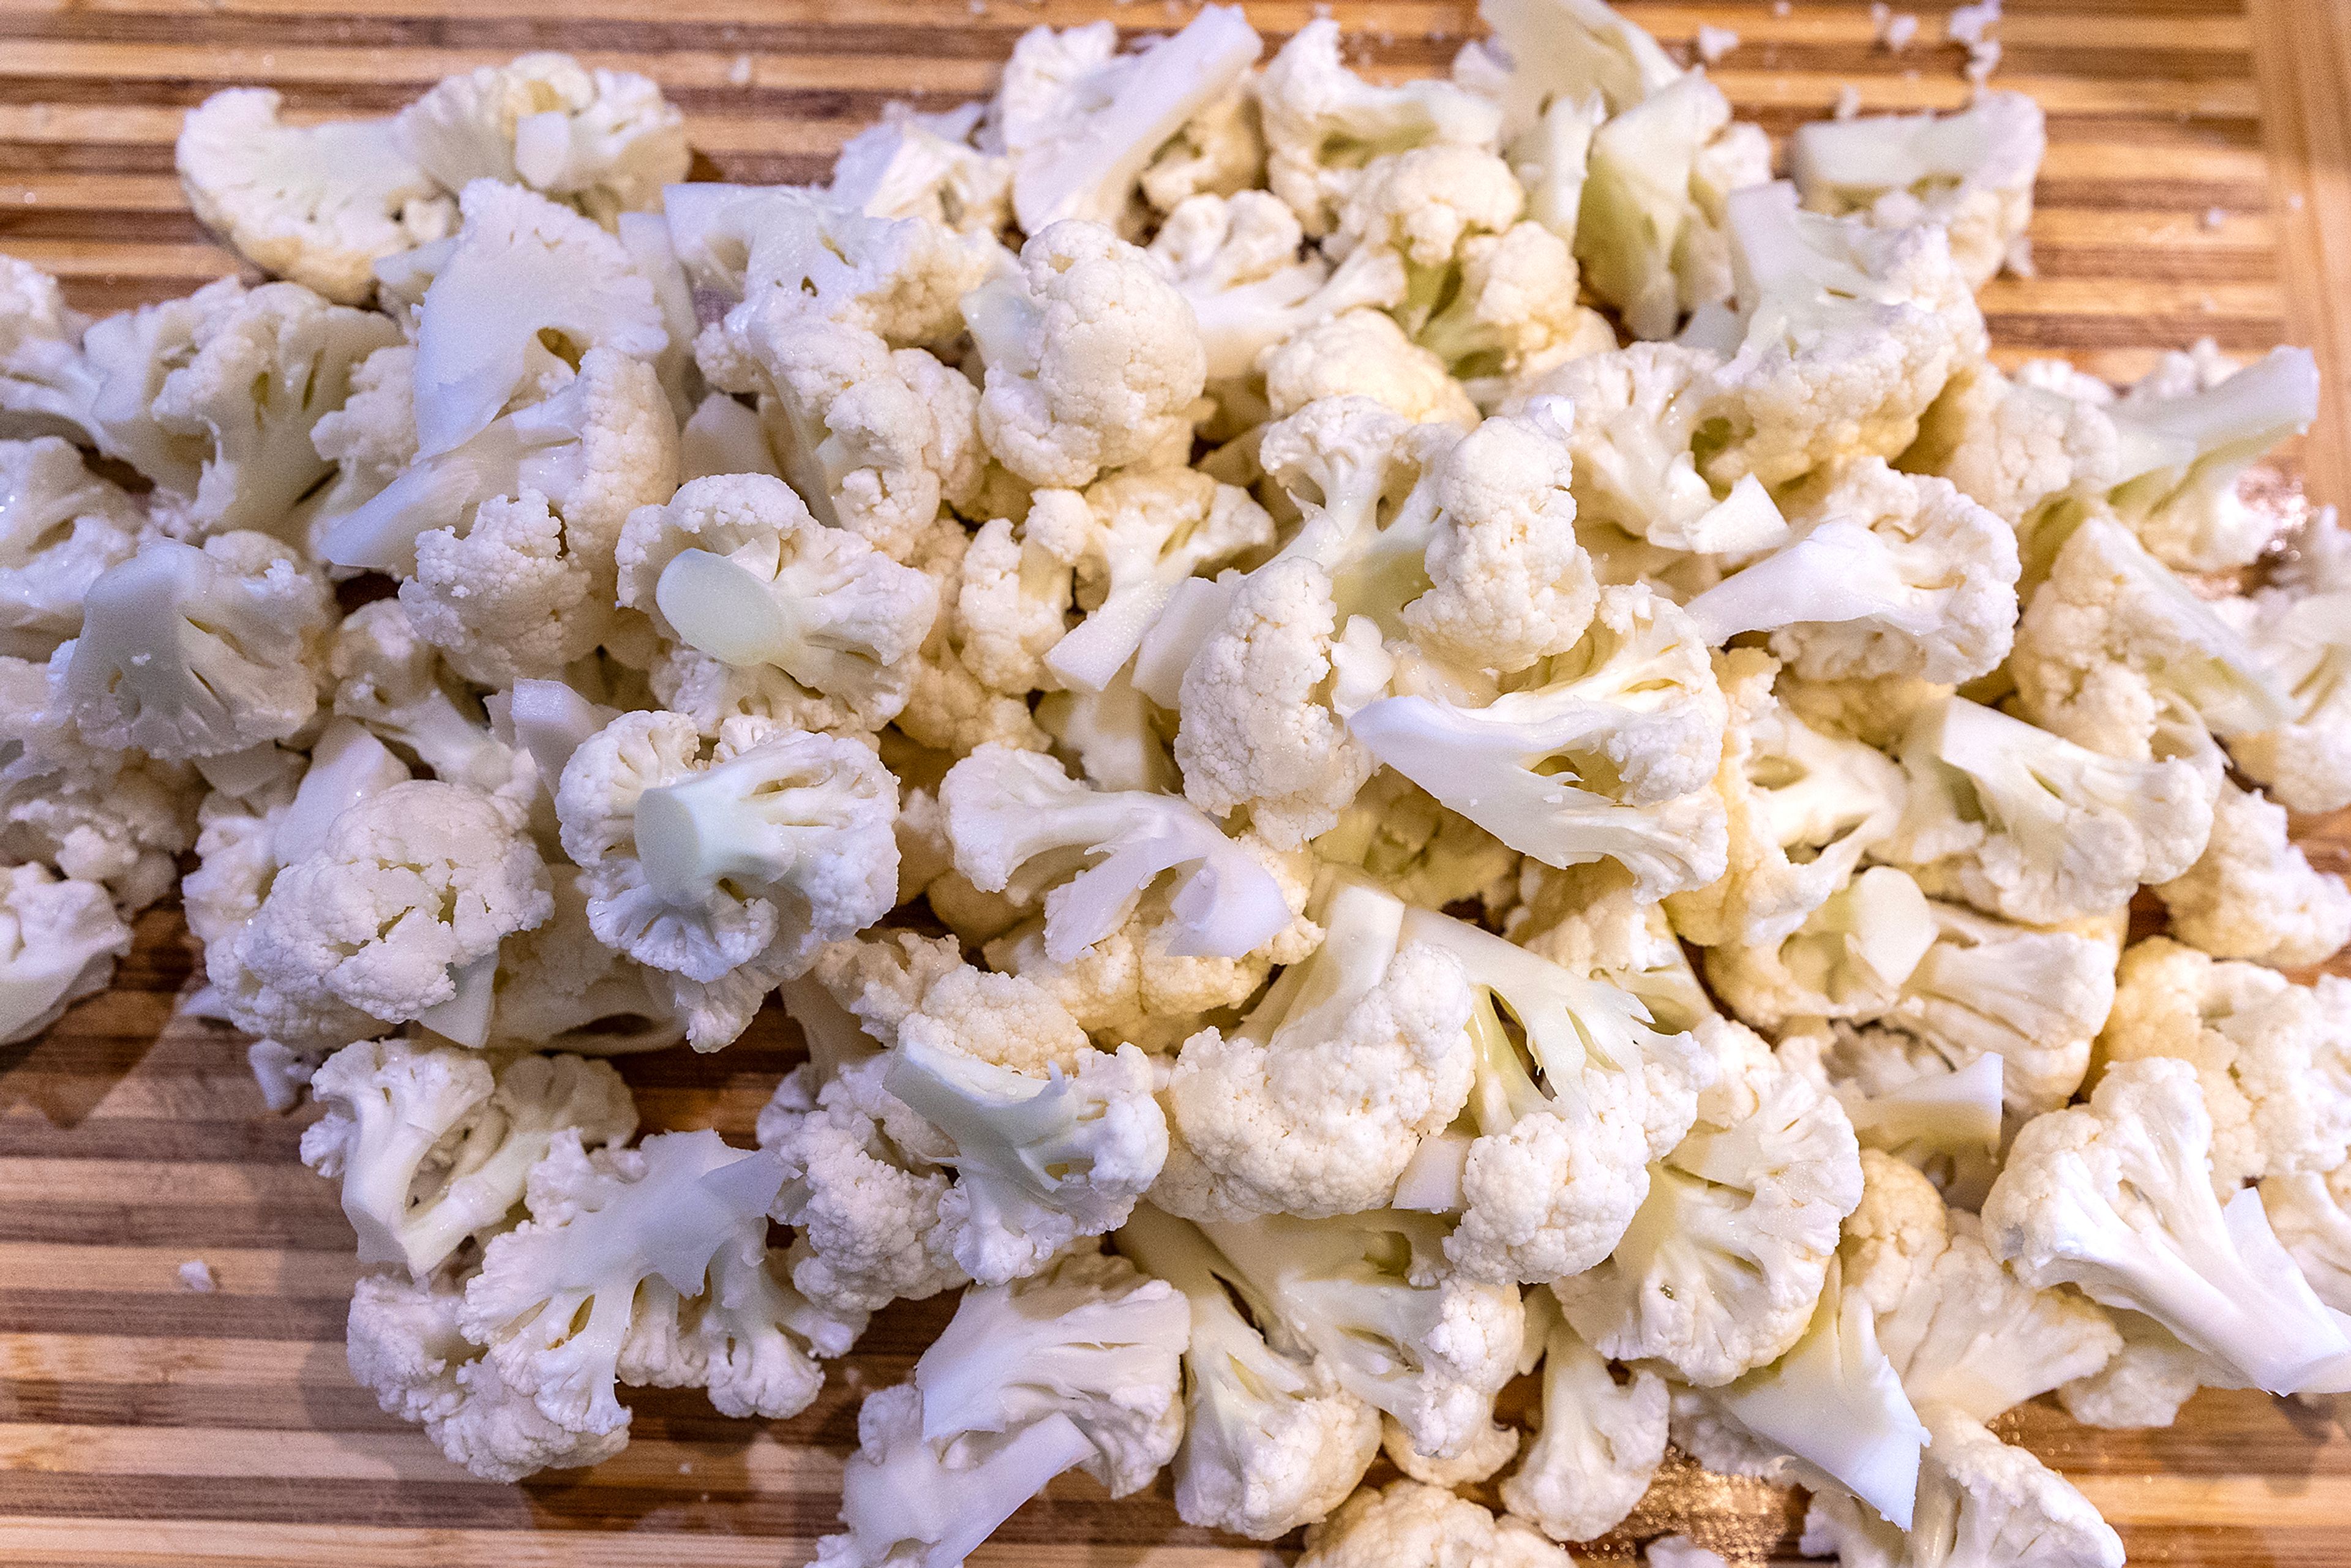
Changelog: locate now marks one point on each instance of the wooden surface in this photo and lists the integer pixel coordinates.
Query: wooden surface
(143, 1424)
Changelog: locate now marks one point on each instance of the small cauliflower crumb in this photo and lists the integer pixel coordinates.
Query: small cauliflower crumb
(1848, 103)
(1713, 43)
(1893, 28)
(738, 73)
(196, 1275)
(2215, 217)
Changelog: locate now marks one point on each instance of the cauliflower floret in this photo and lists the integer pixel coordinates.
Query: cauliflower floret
(1236, 260)
(1314, 1103)
(558, 988)
(526, 588)
(61, 527)
(1633, 713)
(2273, 1057)
(2302, 636)
(727, 873)
(1849, 960)
(1848, 335)
(1271, 1440)
(2253, 894)
(2191, 443)
(218, 405)
(1093, 359)
(1558, 1164)
(1142, 535)
(1591, 920)
(864, 1206)
(392, 681)
(1971, 171)
(735, 568)
(1888, 574)
(48, 387)
(188, 653)
(1552, 50)
(1803, 807)
(1980, 1501)
(530, 288)
(950, 706)
(916, 165)
(2312, 1215)
(1369, 1294)
(1410, 1525)
(58, 940)
(396, 915)
(604, 140)
(1323, 123)
(1630, 419)
(433, 1144)
(2030, 826)
(1221, 151)
(1078, 1367)
(1420, 851)
(2115, 1197)
(1082, 124)
(1363, 353)
(2146, 1383)
(1722, 1266)
(1016, 817)
(1598, 1447)
(2118, 655)
(318, 204)
(405, 1346)
(567, 1309)
(2029, 452)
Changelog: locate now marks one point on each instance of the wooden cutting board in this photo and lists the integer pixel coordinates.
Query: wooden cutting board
(2194, 187)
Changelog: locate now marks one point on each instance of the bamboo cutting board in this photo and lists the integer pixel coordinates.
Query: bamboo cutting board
(2195, 186)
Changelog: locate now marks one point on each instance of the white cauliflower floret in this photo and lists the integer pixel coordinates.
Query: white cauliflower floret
(396, 915)
(1369, 1295)
(2308, 1211)
(392, 681)
(727, 873)
(188, 653)
(1082, 124)
(1802, 807)
(61, 527)
(2030, 826)
(735, 568)
(120, 818)
(525, 586)
(1848, 334)
(2115, 1197)
(1093, 359)
(58, 940)
(1078, 1367)
(1888, 574)
(1721, 1268)
(951, 707)
(1419, 851)
(433, 1144)
(1907, 1100)
(914, 165)
(1630, 420)
(2273, 1057)
(560, 988)
(525, 273)
(48, 387)
(2030, 452)
(1591, 920)
(2298, 629)
(1271, 1440)
(604, 140)
(1016, 817)
(1314, 1103)
(225, 423)
(1236, 260)
(1545, 51)
(2253, 894)
(370, 439)
(648, 1267)
(1221, 151)
(865, 1206)
(2147, 1381)
(2190, 444)
(2118, 655)
(1849, 959)
(1562, 1137)
(1410, 1524)
(1980, 1501)
(1143, 534)
(317, 203)
(1629, 716)
(405, 1346)
(1363, 353)
(1598, 1447)
(1971, 171)
(1323, 123)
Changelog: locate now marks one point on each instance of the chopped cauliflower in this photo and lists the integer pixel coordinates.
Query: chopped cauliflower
(604, 140)
(58, 940)
(1973, 171)
(1597, 1447)
(61, 526)
(1363, 353)
(1409, 1524)
(2253, 894)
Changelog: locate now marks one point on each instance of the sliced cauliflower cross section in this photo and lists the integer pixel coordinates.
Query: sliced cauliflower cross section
(735, 567)
(188, 653)
(320, 204)
(727, 873)
(2115, 1197)
(1316, 1102)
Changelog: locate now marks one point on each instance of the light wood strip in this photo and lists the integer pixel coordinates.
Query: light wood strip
(119, 1271)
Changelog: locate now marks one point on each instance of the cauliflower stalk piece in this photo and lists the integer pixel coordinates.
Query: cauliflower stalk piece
(727, 873)
(1271, 1440)
(2115, 1197)
(320, 204)
(1316, 1102)
(1078, 1367)
(1973, 171)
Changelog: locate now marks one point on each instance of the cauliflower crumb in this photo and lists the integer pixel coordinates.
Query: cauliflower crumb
(1712, 43)
(196, 1275)
(1848, 102)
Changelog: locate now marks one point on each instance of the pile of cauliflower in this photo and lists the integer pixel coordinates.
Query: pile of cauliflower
(1436, 733)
